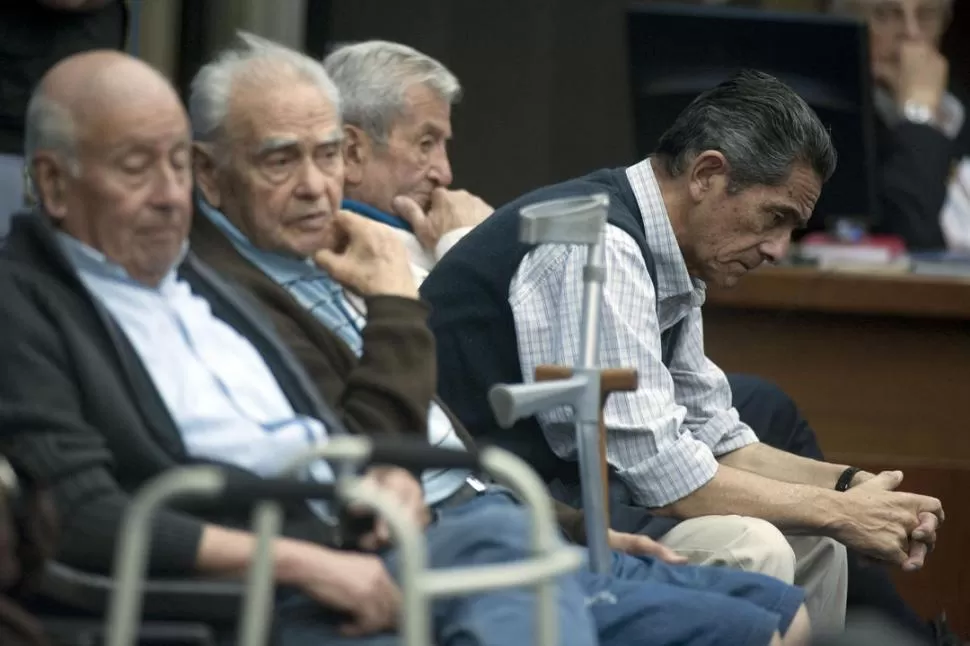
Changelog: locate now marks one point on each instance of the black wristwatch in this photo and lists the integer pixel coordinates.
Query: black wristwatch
(846, 478)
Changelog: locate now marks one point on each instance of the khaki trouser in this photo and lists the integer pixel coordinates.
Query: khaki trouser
(816, 564)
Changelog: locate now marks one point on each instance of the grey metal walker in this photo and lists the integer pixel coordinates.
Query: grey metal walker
(550, 559)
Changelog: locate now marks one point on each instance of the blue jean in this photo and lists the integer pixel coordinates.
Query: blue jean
(488, 529)
(645, 601)
(642, 602)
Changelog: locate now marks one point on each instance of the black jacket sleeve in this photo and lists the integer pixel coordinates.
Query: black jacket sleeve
(43, 428)
(915, 170)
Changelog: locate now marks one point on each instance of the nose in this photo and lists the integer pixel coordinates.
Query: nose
(912, 30)
(776, 248)
(312, 181)
(440, 171)
(173, 186)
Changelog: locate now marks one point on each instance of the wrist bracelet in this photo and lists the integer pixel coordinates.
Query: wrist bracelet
(846, 478)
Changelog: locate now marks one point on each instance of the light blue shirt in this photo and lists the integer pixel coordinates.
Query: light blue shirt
(223, 397)
(324, 298)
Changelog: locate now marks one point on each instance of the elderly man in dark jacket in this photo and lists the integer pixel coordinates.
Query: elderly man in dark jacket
(126, 356)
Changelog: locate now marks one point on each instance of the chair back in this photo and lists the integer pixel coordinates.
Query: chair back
(28, 535)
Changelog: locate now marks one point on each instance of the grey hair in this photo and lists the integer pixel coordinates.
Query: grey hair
(758, 123)
(373, 77)
(259, 58)
(50, 126)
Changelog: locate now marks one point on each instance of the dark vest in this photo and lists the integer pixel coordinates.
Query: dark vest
(473, 322)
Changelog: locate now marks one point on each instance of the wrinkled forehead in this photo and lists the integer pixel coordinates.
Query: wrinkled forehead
(423, 109)
(298, 112)
(900, 5)
(794, 198)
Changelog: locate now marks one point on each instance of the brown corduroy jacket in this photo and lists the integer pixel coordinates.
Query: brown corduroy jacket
(387, 390)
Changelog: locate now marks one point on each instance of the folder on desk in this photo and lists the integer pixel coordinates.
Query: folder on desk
(941, 263)
(872, 252)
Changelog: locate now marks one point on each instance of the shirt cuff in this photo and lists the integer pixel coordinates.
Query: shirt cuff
(679, 470)
(449, 240)
(736, 439)
(724, 432)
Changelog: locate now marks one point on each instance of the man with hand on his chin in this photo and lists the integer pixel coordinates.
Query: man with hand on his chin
(267, 128)
(396, 105)
(923, 142)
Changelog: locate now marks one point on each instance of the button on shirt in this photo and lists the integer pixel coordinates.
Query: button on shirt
(663, 438)
(222, 396)
(325, 299)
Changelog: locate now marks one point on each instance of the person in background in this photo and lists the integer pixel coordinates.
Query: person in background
(34, 36)
(396, 105)
(923, 145)
(922, 135)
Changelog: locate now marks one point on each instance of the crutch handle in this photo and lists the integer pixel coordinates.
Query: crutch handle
(611, 380)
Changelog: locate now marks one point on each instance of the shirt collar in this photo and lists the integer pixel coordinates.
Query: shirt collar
(280, 267)
(88, 260)
(951, 118)
(673, 278)
(368, 211)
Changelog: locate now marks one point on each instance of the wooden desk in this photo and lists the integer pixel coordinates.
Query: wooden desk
(880, 366)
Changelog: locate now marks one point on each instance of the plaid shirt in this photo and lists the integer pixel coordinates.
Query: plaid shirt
(664, 438)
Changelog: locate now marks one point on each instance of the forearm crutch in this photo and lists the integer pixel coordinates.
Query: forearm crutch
(572, 220)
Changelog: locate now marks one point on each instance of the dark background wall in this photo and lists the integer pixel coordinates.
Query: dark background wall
(546, 81)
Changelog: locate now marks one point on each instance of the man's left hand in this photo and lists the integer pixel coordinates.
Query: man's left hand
(407, 490)
(922, 540)
(636, 545)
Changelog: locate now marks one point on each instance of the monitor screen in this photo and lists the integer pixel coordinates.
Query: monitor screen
(676, 52)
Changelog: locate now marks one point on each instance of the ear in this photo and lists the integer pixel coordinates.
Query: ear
(358, 150)
(707, 174)
(206, 172)
(50, 177)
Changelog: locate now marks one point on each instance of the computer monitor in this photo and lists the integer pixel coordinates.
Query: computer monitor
(676, 52)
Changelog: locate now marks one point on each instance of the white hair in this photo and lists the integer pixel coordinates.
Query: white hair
(259, 59)
(373, 77)
(49, 126)
(845, 6)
